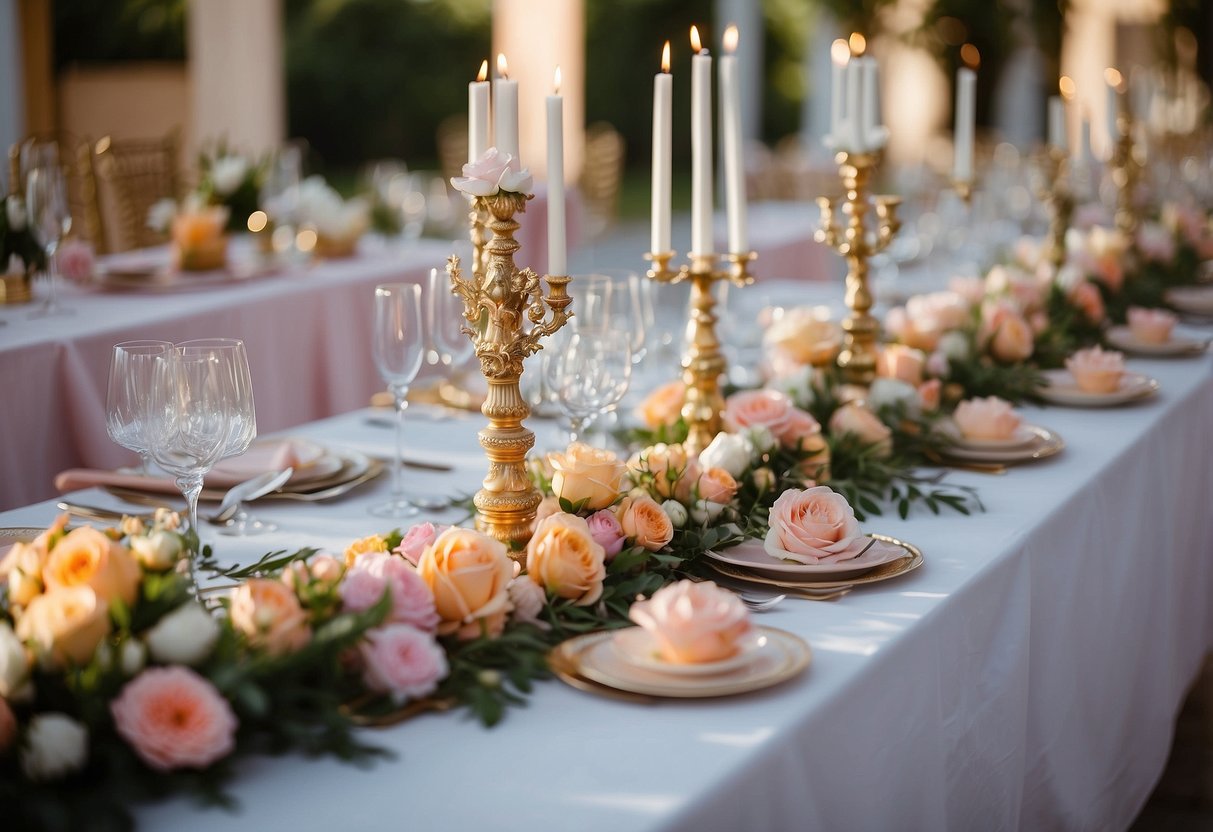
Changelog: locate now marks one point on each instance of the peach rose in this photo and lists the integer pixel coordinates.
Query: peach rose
(901, 362)
(268, 613)
(693, 622)
(716, 485)
(938, 312)
(805, 335)
(673, 472)
(64, 626)
(1151, 326)
(663, 406)
(856, 419)
(988, 418)
(563, 557)
(970, 289)
(469, 574)
(86, 557)
(591, 477)
(1086, 297)
(174, 718)
(1013, 340)
(547, 507)
(923, 335)
(816, 525)
(929, 394)
(772, 410)
(29, 558)
(1095, 370)
(645, 522)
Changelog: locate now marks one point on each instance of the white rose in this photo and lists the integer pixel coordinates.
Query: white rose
(56, 744)
(14, 664)
(704, 512)
(676, 511)
(761, 439)
(730, 451)
(133, 656)
(891, 391)
(14, 208)
(227, 173)
(184, 636)
(160, 215)
(796, 385)
(158, 551)
(954, 345)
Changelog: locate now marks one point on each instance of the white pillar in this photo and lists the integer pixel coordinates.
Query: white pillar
(536, 36)
(12, 91)
(237, 73)
(747, 15)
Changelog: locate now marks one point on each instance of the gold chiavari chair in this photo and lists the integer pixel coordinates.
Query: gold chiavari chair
(124, 178)
(72, 154)
(601, 177)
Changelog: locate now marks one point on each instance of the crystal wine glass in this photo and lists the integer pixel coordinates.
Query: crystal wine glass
(50, 217)
(280, 195)
(398, 348)
(590, 374)
(129, 394)
(449, 346)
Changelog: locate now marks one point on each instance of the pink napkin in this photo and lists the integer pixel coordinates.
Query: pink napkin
(74, 479)
(266, 455)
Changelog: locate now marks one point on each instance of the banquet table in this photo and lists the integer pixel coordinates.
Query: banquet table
(1027, 676)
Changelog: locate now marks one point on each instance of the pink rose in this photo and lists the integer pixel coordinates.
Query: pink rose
(372, 575)
(772, 410)
(416, 540)
(693, 622)
(1095, 370)
(173, 718)
(1087, 298)
(929, 393)
(76, 261)
(606, 531)
(1151, 326)
(989, 418)
(268, 614)
(856, 419)
(816, 525)
(529, 599)
(402, 661)
(901, 362)
(494, 171)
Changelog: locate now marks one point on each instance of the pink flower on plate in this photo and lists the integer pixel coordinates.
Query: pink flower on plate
(988, 418)
(373, 574)
(402, 661)
(174, 718)
(76, 261)
(416, 540)
(494, 171)
(1096, 371)
(1151, 326)
(606, 531)
(693, 623)
(814, 525)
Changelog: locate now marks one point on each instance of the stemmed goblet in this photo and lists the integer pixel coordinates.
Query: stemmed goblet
(589, 374)
(398, 349)
(50, 217)
(129, 395)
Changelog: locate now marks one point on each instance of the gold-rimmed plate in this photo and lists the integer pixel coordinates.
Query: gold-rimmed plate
(1060, 388)
(1194, 299)
(911, 561)
(162, 278)
(752, 555)
(1178, 346)
(593, 657)
(1044, 443)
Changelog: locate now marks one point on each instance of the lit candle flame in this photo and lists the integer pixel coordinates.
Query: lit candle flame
(858, 43)
(840, 53)
(665, 57)
(503, 68)
(484, 70)
(556, 82)
(1067, 87)
(970, 55)
(730, 39)
(1113, 77)
(695, 42)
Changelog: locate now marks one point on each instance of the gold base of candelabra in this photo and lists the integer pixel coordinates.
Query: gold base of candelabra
(497, 303)
(1058, 197)
(703, 363)
(857, 359)
(1126, 173)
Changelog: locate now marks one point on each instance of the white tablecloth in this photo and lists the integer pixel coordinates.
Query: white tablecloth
(1025, 677)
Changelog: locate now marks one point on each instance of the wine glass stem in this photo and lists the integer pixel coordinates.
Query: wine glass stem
(145, 462)
(191, 487)
(576, 426)
(401, 394)
(52, 279)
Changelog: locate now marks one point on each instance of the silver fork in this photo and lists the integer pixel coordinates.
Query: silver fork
(755, 603)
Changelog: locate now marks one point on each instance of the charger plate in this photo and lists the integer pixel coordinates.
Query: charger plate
(911, 561)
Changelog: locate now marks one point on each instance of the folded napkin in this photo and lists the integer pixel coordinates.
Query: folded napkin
(73, 479)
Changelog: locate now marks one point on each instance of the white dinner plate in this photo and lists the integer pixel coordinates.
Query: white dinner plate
(1044, 443)
(1197, 299)
(752, 556)
(1022, 436)
(1060, 388)
(311, 461)
(637, 646)
(1122, 338)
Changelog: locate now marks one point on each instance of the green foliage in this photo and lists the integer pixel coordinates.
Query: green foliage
(981, 375)
(20, 243)
(129, 30)
(1069, 330)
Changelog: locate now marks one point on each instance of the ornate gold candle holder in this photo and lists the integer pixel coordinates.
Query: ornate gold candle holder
(1058, 197)
(857, 244)
(497, 304)
(1126, 172)
(703, 363)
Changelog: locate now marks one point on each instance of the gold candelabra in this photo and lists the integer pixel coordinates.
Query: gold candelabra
(702, 363)
(857, 243)
(1058, 197)
(1126, 171)
(498, 303)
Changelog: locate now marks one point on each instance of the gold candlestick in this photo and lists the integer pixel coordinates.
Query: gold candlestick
(497, 303)
(857, 244)
(703, 363)
(1126, 171)
(1058, 197)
